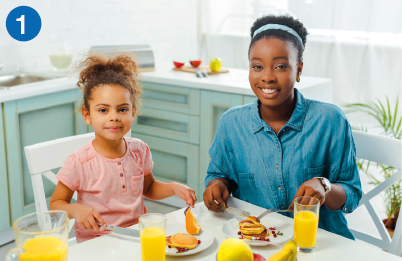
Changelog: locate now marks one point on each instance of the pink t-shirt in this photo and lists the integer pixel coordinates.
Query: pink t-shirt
(113, 187)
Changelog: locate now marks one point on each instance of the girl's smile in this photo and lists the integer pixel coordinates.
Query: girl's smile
(113, 128)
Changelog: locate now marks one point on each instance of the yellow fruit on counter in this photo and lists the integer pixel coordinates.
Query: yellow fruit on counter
(216, 64)
(287, 253)
(234, 249)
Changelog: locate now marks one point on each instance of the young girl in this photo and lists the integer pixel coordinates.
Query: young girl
(112, 172)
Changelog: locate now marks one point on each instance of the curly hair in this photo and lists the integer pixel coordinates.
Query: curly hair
(286, 20)
(116, 69)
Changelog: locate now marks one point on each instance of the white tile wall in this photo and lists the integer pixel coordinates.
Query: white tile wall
(169, 26)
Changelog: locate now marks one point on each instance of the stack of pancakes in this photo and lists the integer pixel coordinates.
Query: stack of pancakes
(182, 240)
(251, 227)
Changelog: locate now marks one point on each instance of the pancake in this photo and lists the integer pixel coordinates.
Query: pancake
(183, 240)
(253, 219)
(251, 227)
(169, 242)
(263, 234)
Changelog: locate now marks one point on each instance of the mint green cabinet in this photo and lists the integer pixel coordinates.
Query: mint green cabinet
(173, 160)
(171, 98)
(167, 124)
(248, 99)
(214, 104)
(5, 221)
(30, 121)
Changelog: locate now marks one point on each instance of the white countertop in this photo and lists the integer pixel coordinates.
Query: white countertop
(329, 246)
(236, 81)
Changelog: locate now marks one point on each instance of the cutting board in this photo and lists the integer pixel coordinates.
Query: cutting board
(191, 69)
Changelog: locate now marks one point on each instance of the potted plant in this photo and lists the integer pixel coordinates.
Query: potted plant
(391, 124)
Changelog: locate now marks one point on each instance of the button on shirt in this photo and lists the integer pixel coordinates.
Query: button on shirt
(266, 169)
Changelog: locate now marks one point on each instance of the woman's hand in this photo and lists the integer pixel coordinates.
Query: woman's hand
(185, 193)
(87, 217)
(311, 188)
(216, 191)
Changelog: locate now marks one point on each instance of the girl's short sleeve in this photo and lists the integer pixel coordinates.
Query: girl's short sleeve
(148, 164)
(71, 172)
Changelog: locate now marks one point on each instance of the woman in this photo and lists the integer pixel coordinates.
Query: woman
(284, 146)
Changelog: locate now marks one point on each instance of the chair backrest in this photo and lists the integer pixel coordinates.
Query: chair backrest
(386, 151)
(43, 157)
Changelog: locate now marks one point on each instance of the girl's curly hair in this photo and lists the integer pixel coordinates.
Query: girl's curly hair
(116, 69)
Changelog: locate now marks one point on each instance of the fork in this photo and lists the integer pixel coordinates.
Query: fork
(185, 211)
(271, 210)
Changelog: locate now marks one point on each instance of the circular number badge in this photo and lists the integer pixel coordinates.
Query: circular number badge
(23, 23)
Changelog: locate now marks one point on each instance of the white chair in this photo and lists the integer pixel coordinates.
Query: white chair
(386, 151)
(43, 157)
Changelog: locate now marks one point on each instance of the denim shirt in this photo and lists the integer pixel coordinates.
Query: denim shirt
(266, 169)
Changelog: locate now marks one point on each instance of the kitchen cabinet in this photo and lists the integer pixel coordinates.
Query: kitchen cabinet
(29, 121)
(173, 160)
(214, 104)
(5, 221)
(248, 99)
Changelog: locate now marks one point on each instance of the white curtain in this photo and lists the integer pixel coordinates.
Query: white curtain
(355, 43)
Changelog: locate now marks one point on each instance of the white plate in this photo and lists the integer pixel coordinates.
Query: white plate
(231, 228)
(204, 235)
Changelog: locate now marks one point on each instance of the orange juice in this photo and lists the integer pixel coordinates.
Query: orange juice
(306, 224)
(153, 243)
(45, 249)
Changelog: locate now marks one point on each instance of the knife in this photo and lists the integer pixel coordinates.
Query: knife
(122, 231)
(237, 212)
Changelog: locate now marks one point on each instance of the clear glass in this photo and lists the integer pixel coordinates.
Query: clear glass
(306, 214)
(40, 236)
(60, 54)
(153, 237)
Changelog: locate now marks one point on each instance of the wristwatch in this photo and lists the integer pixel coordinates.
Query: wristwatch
(325, 182)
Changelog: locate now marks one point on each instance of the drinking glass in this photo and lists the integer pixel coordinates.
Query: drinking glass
(60, 54)
(306, 212)
(153, 237)
(40, 236)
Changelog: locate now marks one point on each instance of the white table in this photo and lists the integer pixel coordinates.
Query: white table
(329, 247)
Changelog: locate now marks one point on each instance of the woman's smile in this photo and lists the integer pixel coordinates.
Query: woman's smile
(269, 92)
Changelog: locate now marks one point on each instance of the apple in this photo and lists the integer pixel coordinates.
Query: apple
(195, 63)
(258, 257)
(216, 64)
(178, 64)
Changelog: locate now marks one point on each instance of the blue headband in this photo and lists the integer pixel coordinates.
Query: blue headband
(280, 27)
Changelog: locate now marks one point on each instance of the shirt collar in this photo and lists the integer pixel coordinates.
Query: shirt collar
(295, 122)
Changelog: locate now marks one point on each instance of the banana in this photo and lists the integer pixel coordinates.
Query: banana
(287, 253)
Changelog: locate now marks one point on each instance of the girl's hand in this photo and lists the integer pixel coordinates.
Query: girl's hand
(311, 188)
(185, 193)
(87, 217)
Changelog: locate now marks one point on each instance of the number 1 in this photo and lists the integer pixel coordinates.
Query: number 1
(22, 20)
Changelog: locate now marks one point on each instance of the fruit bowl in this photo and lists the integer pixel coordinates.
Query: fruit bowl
(178, 64)
(195, 63)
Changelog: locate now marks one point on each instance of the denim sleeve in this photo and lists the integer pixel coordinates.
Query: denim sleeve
(221, 154)
(348, 176)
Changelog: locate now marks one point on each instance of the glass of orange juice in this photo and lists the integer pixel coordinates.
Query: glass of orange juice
(153, 237)
(40, 236)
(306, 212)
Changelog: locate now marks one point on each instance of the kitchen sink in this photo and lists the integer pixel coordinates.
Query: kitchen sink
(13, 80)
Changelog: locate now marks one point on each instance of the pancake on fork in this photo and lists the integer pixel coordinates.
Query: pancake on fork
(251, 227)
